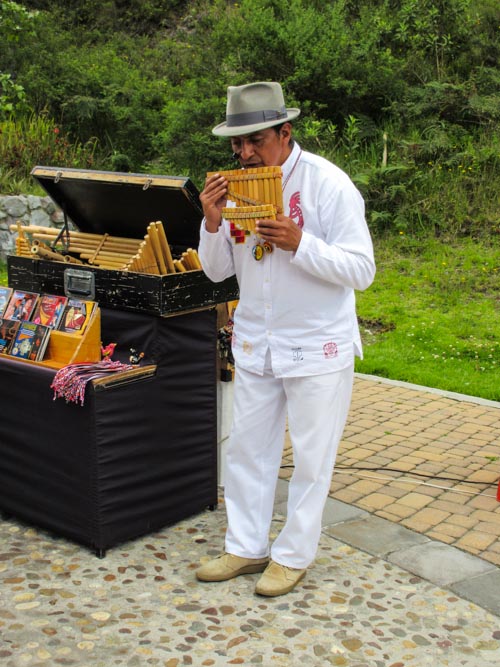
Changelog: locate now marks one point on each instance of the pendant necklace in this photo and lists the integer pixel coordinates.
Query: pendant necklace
(292, 170)
(260, 249)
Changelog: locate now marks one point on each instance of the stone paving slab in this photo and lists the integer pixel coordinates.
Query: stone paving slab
(338, 512)
(335, 511)
(484, 587)
(141, 605)
(440, 563)
(375, 535)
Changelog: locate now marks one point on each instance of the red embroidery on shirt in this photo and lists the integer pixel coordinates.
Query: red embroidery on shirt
(330, 350)
(295, 210)
(237, 234)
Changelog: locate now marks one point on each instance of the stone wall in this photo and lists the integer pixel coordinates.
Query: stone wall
(29, 210)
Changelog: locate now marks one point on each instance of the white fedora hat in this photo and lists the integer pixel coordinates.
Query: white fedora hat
(254, 107)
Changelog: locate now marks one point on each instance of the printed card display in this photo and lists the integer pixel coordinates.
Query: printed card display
(76, 315)
(8, 331)
(5, 294)
(49, 310)
(31, 341)
(21, 305)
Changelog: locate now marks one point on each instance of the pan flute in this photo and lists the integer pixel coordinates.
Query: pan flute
(254, 187)
(257, 193)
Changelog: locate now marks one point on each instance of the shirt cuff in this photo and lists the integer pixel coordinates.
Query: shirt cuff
(204, 229)
(303, 249)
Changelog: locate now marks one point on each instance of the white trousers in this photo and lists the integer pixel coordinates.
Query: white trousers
(317, 409)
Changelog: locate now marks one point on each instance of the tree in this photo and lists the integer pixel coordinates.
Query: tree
(15, 23)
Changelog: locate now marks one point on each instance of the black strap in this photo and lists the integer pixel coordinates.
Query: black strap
(63, 235)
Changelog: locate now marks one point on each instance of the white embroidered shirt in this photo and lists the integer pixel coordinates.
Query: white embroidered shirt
(299, 305)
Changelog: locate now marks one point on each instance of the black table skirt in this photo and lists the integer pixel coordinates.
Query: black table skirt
(135, 457)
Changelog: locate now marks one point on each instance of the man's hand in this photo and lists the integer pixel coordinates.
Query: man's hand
(282, 232)
(213, 199)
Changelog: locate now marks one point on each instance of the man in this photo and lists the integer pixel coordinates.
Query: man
(294, 341)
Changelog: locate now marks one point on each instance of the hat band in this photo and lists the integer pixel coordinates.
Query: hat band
(254, 117)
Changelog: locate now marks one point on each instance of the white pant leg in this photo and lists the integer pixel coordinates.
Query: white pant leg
(317, 411)
(253, 459)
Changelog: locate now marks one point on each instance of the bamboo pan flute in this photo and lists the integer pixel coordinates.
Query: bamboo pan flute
(245, 217)
(254, 187)
(149, 255)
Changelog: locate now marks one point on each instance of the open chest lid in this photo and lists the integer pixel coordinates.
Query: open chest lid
(122, 204)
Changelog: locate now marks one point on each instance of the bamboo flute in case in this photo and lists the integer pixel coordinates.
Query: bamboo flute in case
(155, 243)
(194, 258)
(151, 255)
(179, 266)
(52, 232)
(41, 250)
(150, 261)
(164, 246)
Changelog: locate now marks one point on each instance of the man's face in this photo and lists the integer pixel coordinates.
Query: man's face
(265, 148)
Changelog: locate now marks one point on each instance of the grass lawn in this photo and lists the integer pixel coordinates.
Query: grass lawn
(432, 315)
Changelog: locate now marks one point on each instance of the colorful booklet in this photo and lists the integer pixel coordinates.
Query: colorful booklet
(8, 331)
(76, 315)
(5, 294)
(21, 305)
(31, 341)
(49, 310)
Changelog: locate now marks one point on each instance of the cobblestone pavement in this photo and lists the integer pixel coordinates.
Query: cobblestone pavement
(141, 605)
(410, 440)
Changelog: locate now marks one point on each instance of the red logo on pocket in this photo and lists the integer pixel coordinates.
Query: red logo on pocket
(330, 350)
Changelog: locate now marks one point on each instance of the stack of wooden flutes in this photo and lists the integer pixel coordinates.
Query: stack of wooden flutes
(152, 254)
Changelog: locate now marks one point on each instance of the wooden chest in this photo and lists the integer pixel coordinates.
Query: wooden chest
(123, 205)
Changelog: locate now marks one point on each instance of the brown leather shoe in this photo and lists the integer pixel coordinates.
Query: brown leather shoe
(229, 566)
(278, 580)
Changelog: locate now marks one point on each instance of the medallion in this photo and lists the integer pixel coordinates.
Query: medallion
(258, 252)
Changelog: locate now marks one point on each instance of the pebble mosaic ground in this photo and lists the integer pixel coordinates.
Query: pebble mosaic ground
(141, 605)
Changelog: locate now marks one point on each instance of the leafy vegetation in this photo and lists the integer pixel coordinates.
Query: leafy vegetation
(31, 140)
(403, 94)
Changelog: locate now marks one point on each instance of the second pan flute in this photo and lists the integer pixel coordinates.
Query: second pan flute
(244, 217)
